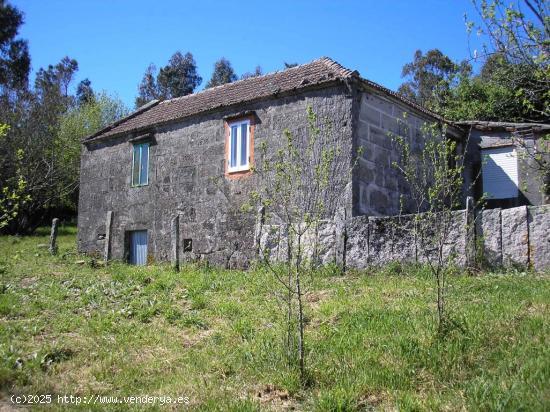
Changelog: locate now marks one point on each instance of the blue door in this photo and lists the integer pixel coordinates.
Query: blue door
(138, 247)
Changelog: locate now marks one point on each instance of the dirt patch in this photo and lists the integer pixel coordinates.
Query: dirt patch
(315, 298)
(190, 341)
(27, 282)
(534, 309)
(370, 401)
(276, 398)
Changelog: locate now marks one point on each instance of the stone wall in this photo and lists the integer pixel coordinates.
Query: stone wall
(186, 179)
(517, 237)
(366, 241)
(377, 184)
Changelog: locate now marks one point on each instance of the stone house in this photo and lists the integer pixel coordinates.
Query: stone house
(170, 179)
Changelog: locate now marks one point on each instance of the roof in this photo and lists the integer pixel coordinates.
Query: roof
(507, 126)
(323, 71)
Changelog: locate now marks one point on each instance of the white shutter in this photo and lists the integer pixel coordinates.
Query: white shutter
(500, 172)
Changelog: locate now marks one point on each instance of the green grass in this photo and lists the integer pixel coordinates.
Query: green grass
(216, 336)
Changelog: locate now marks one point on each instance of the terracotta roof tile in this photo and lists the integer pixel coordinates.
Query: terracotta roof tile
(318, 72)
(323, 70)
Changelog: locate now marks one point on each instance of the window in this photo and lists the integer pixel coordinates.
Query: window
(140, 164)
(239, 142)
(499, 172)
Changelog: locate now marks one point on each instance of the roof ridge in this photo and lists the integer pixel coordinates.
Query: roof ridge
(333, 64)
(325, 60)
(320, 72)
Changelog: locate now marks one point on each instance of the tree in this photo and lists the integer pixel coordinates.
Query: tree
(257, 72)
(483, 97)
(14, 53)
(148, 89)
(13, 188)
(42, 146)
(514, 83)
(84, 92)
(433, 175)
(223, 73)
(430, 78)
(518, 33)
(35, 120)
(179, 77)
(77, 123)
(303, 181)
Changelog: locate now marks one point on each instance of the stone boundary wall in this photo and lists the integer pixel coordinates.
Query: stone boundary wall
(517, 237)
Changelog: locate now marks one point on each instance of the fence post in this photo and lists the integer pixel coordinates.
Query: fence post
(53, 237)
(108, 224)
(175, 230)
(470, 232)
(340, 239)
(260, 221)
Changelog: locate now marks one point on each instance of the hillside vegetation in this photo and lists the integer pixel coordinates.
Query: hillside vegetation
(72, 328)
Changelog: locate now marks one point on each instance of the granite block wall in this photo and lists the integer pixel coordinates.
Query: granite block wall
(186, 179)
(377, 184)
(369, 241)
(517, 237)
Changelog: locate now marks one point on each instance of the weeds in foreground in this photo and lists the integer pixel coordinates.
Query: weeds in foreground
(212, 335)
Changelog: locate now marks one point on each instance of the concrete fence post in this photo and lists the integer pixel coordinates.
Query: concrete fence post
(174, 250)
(108, 224)
(340, 239)
(470, 241)
(260, 221)
(53, 237)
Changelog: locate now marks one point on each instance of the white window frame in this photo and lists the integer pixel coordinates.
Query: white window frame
(238, 167)
(140, 145)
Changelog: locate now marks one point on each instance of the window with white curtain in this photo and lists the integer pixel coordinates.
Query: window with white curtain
(140, 164)
(238, 146)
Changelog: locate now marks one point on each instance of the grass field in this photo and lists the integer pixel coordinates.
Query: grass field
(215, 336)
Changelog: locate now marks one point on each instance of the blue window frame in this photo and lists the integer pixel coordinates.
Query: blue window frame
(140, 164)
(239, 146)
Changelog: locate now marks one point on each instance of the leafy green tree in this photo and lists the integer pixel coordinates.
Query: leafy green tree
(430, 77)
(518, 34)
(12, 189)
(223, 73)
(42, 146)
(30, 146)
(15, 60)
(77, 123)
(493, 94)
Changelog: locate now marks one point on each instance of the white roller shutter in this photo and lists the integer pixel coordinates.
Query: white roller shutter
(500, 172)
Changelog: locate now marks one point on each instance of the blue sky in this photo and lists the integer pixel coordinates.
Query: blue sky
(115, 40)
